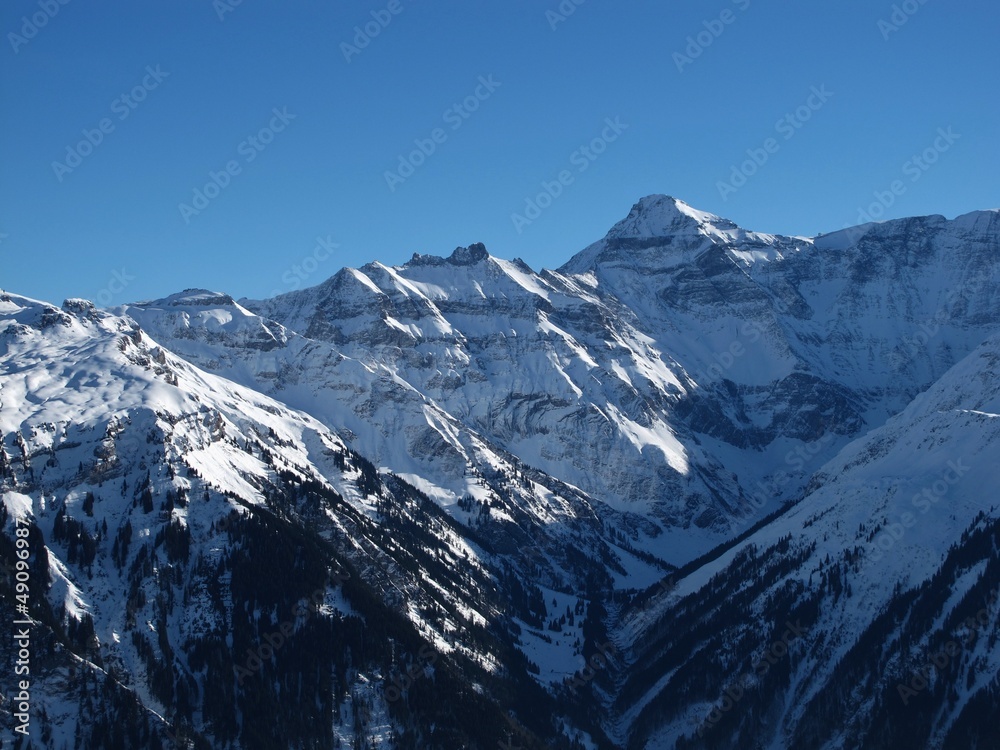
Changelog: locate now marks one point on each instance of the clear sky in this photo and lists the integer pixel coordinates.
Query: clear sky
(184, 88)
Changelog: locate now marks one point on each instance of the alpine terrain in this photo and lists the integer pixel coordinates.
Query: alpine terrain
(700, 487)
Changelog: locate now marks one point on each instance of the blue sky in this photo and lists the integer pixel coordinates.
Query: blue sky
(188, 88)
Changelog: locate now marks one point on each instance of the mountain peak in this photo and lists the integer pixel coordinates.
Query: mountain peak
(468, 256)
(462, 256)
(655, 223)
(664, 215)
(191, 298)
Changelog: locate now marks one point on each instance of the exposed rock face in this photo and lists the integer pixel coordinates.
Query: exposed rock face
(677, 325)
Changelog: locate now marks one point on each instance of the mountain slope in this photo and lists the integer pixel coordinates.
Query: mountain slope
(199, 550)
(872, 574)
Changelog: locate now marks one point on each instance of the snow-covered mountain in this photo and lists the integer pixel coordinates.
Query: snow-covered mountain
(815, 629)
(481, 474)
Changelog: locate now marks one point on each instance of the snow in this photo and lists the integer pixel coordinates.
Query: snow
(579, 382)
(365, 280)
(555, 653)
(19, 506)
(524, 280)
(658, 435)
(930, 467)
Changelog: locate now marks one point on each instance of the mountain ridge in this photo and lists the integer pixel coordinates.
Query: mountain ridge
(585, 500)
